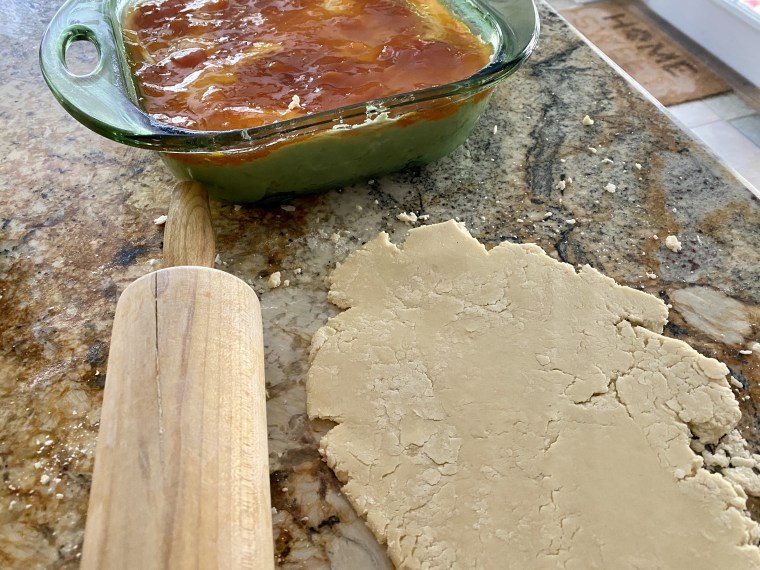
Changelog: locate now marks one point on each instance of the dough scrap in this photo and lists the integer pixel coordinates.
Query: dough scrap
(498, 409)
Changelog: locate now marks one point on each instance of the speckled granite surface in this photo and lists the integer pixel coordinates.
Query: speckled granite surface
(76, 227)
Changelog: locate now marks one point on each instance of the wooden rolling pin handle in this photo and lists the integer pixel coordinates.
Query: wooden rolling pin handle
(188, 235)
(181, 477)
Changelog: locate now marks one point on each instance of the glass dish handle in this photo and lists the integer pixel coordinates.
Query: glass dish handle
(520, 18)
(99, 99)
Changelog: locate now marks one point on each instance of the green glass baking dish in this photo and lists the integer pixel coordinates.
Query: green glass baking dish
(306, 154)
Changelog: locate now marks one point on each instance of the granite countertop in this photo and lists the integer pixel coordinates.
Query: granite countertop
(76, 227)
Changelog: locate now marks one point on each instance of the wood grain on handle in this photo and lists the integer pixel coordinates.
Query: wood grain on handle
(181, 476)
(189, 236)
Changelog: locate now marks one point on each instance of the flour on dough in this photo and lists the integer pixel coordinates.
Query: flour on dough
(497, 409)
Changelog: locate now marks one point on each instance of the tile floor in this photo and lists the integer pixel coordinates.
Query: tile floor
(729, 127)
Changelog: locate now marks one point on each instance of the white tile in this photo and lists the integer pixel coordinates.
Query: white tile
(694, 114)
(750, 127)
(729, 106)
(733, 147)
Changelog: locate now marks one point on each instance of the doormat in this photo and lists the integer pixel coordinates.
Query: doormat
(633, 41)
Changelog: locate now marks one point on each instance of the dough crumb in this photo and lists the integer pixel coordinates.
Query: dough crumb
(592, 150)
(495, 129)
(608, 161)
(672, 243)
(409, 218)
(745, 352)
(424, 217)
(295, 103)
(45, 479)
(335, 237)
(218, 259)
(733, 460)
(637, 166)
(288, 207)
(286, 283)
(610, 188)
(587, 121)
(297, 271)
(570, 221)
(652, 275)
(274, 280)
(561, 185)
(161, 220)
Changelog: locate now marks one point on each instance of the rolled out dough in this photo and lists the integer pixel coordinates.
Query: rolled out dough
(497, 409)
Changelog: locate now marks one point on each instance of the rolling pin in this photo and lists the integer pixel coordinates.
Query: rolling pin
(181, 477)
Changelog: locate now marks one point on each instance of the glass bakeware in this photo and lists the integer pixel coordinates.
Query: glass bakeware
(306, 154)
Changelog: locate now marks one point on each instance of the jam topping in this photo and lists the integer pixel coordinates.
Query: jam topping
(231, 64)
